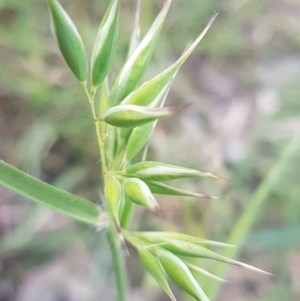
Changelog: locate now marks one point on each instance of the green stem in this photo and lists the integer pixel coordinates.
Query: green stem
(100, 136)
(127, 214)
(118, 264)
(112, 236)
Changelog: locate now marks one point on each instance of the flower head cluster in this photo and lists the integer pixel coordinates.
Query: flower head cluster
(128, 112)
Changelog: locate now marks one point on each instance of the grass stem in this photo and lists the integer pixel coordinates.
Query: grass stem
(112, 236)
(254, 207)
(118, 264)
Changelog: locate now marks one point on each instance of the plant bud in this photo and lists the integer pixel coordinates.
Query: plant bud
(190, 249)
(156, 171)
(159, 236)
(131, 116)
(141, 135)
(180, 274)
(147, 92)
(69, 40)
(154, 268)
(136, 65)
(114, 196)
(105, 44)
(139, 193)
(138, 139)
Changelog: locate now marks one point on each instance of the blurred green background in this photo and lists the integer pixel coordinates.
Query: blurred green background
(243, 83)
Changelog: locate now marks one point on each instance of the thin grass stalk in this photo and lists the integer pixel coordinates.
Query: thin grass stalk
(118, 264)
(111, 234)
(254, 206)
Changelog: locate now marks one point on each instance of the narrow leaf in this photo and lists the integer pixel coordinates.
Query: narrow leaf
(136, 65)
(139, 193)
(50, 196)
(132, 116)
(156, 171)
(105, 44)
(180, 274)
(147, 92)
(69, 40)
(154, 268)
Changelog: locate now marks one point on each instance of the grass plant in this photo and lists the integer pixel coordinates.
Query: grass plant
(125, 112)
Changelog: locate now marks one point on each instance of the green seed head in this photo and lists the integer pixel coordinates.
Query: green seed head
(158, 236)
(137, 63)
(154, 268)
(139, 193)
(141, 135)
(127, 115)
(69, 40)
(138, 139)
(130, 116)
(156, 171)
(180, 274)
(105, 44)
(147, 92)
(114, 195)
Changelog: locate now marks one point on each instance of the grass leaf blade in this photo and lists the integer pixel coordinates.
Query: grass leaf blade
(50, 196)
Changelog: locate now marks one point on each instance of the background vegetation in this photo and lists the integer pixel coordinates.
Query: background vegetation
(243, 84)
